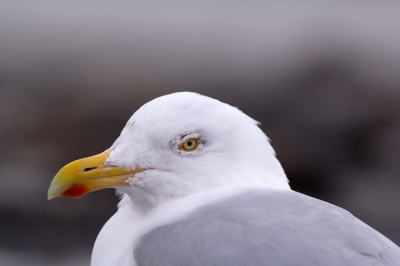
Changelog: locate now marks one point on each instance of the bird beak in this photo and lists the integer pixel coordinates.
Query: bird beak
(87, 175)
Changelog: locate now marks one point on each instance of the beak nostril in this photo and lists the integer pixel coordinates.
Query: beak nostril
(89, 168)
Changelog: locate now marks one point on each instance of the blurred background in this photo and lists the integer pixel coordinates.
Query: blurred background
(322, 78)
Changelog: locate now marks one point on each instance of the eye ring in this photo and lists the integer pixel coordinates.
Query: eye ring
(189, 145)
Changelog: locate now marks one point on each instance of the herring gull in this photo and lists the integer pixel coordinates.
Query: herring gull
(200, 185)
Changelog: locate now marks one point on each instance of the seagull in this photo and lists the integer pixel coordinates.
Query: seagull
(200, 185)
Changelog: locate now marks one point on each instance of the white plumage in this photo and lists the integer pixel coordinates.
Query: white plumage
(227, 202)
(235, 152)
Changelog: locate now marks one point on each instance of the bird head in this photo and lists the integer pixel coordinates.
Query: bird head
(173, 146)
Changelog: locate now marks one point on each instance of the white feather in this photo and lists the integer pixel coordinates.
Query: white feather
(234, 153)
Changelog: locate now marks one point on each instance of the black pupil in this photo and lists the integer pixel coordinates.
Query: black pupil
(189, 143)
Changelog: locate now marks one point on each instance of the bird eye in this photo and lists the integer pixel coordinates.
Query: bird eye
(189, 145)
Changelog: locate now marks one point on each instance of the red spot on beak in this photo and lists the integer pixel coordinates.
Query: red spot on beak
(75, 191)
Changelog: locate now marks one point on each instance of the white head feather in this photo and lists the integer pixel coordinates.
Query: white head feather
(233, 150)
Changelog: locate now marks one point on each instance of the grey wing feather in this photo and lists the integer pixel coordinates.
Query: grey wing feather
(277, 228)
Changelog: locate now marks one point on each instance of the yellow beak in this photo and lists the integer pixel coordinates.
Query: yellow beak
(87, 175)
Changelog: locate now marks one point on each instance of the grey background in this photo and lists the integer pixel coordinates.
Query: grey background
(322, 78)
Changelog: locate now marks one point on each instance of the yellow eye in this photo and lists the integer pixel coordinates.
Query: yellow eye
(189, 145)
